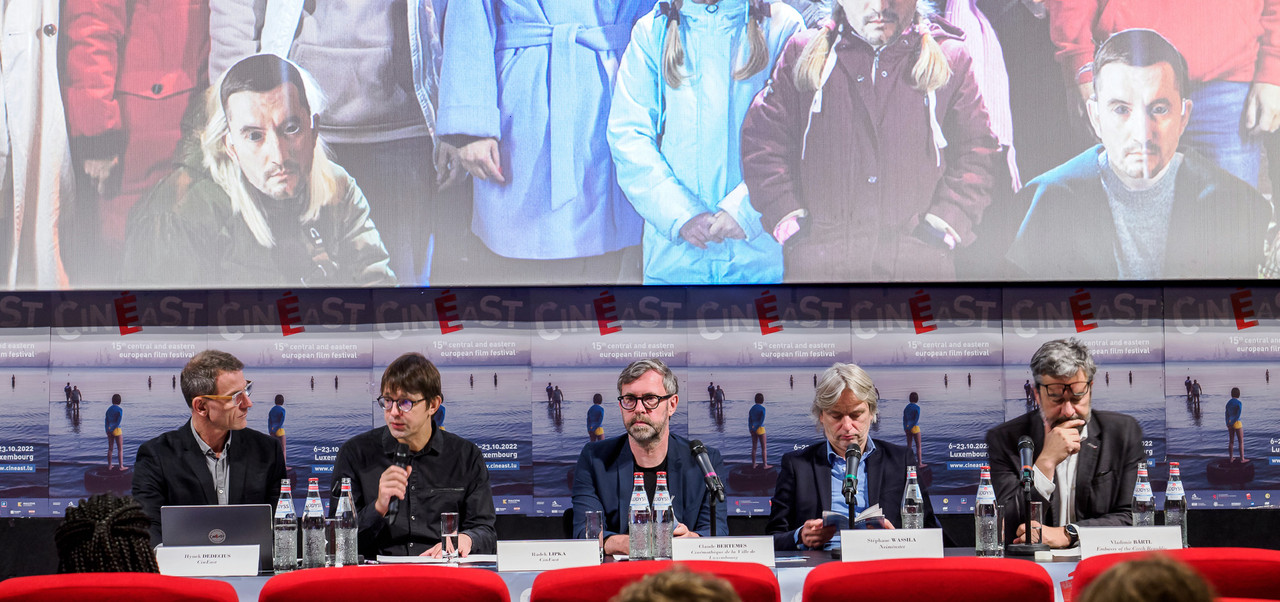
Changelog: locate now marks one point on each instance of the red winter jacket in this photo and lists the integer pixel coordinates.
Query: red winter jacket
(1222, 40)
(131, 68)
(871, 168)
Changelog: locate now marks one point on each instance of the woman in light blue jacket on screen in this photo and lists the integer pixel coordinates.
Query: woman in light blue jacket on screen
(684, 86)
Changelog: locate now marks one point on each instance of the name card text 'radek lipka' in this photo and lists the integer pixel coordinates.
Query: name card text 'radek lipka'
(542, 555)
(208, 561)
(1110, 540)
(879, 544)
(732, 549)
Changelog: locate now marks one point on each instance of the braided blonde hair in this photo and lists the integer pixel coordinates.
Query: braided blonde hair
(673, 50)
(930, 72)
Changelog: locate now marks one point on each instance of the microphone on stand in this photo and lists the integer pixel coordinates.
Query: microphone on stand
(852, 457)
(402, 460)
(1025, 454)
(708, 471)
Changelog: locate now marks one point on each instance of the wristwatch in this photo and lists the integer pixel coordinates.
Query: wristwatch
(1073, 536)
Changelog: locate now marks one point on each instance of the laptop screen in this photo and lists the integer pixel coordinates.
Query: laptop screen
(232, 525)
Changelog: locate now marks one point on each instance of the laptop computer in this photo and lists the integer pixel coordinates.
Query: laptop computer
(232, 525)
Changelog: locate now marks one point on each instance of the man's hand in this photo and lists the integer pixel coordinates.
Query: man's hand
(464, 547)
(1055, 537)
(100, 171)
(482, 160)
(1060, 442)
(392, 483)
(697, 231)
(813, 535)
(682, 531)
(1261, 109)
(724, 226)
(449, 169)
(618, 544)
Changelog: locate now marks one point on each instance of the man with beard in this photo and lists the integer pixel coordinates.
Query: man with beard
(1086, 461)
(647, 392)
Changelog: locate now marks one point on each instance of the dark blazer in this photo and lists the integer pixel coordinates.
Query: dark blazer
(170, 470)
(1105, 471)
(803, 491)
(605, 475)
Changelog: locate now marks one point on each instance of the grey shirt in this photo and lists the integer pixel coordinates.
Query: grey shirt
(1142, 221)
(218, 466)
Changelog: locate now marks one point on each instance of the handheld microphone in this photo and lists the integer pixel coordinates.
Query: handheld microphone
(709, 472)
(402, 460)
(852, 457)
(1025, 453)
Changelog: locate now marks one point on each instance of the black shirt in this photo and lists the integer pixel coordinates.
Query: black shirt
(448, 475)
(651, 478)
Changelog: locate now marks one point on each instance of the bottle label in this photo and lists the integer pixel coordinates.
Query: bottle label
(284, 509)
(661, 500)
(1174, 491)
(313, 506)
(986, 494)
(1142, 491)
(638, 498)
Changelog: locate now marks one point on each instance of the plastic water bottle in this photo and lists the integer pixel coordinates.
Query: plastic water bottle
(345, 551)
(313, 542)
(285, 551)
(1175, 501)
(912, 502)
(664, 519)
(1144, 502)
(986, 518)
(640, 522)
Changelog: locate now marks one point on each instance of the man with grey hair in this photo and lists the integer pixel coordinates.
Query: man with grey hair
(649, 396)
(1086, 461)
(811, 479)
(199, 463)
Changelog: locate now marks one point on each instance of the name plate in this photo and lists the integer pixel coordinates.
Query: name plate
(733, 549)
(881, 544)
(1109, 540)
(542, 555)
(208, 561)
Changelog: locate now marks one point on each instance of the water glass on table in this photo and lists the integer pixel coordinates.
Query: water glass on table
(449, 536)
(595, 528)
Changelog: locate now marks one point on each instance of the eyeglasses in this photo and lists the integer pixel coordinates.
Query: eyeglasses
(241, 397)
(405, 405)
(650, 401)
(1073, 391)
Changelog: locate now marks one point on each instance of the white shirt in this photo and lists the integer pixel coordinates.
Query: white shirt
(1065, 476)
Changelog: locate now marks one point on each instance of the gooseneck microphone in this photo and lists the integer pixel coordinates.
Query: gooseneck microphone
(402, 460)
(714, 486)
(852, 457)
(1025, 454)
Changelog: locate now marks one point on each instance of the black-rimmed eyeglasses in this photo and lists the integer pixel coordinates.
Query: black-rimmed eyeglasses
(650, 401)
(404, 405)
(1072, 391)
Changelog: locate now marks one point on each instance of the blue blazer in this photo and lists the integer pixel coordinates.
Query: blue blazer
(605, 475)
(803, 490)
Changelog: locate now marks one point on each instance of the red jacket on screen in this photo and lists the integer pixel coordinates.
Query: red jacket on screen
(1222, 40)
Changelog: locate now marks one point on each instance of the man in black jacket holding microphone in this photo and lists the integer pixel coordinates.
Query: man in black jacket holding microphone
(405, 474)
(1084, 462)
(814, 479)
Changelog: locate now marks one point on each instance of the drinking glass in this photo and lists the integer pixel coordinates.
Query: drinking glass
(595, 528)
(449, 536)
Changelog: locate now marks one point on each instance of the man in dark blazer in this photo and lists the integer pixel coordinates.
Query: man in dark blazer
(1085, 461)
(201, 462)
(810, 479)
(604, 477)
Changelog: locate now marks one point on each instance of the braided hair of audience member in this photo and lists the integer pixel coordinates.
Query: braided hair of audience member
(105, 534)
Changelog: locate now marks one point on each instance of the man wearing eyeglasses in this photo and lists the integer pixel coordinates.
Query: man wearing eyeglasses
(648, 395)
(213, 458)
(439, 472)
(1085, 460)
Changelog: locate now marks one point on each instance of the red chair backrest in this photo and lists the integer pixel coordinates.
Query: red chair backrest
(386, 582)
(753, 582)
(958, 579)
(1233, 572)
(115, 587)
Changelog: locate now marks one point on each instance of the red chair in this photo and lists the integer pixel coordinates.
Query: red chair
(114, 587)
(957, 579)
(386, 582)
(753, 582)
(1233, 572)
